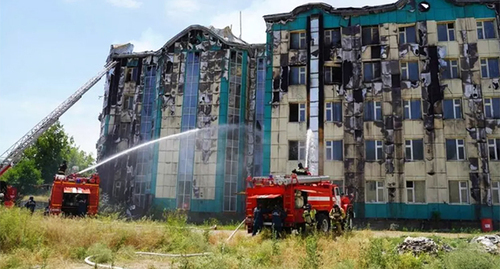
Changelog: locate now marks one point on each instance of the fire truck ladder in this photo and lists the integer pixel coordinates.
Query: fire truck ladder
(14, 153)
(281, 180)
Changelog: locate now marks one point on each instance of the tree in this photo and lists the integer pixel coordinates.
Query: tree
(78, 158)
(25, 176)
(46, 155)
(49, 151)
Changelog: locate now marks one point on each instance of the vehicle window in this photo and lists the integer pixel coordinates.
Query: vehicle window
(336, 191)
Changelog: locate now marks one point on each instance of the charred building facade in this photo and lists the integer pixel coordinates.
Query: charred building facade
(203, 78)
(401, 100)
(401, 103)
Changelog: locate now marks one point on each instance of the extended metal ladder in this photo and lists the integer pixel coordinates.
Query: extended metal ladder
(12, 155)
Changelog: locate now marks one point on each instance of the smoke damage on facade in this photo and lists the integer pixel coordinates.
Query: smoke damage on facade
(401, 99)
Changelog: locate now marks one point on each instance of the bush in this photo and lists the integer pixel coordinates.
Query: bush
(381, 253)
(469, 259)
(101, 253)
(19, 229)
(312, 259)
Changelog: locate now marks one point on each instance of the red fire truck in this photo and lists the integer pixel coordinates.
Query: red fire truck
(69, 192)
(8, 194)
(292, 193)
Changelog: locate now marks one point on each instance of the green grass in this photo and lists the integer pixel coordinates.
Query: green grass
(29, 240)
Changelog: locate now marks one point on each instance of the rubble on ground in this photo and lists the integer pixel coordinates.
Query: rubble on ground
(418, 245)
(490, 243)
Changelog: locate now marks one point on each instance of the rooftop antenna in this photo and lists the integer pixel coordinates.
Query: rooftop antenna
(240, 25)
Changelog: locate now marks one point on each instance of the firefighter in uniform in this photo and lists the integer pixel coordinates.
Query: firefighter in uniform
(278, 216)
(31, 204)
(62, 168)
(309, 215)
(301, 171)
(337, 215)
(258, 219)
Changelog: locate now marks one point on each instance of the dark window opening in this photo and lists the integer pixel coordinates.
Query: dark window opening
(333, 75)
(375, 51)
(414, 150)
(128, 75)
(446, 32)
(407, 35)
(296, 150)
(485, 29)
(371, 71)
(332, 37)
(298, 40)
(370, 35)
(297, 75)
(297, 112)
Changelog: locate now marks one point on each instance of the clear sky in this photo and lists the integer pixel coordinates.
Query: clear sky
(50, 48)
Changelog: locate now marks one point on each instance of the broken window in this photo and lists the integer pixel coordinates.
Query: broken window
(297, 112)
(494, 149)
(450, 70)
(297, 75)
(332, 37)
(409, 71)
(334, 112)
(374, 150)
(128, 103)
(414, 150)
(124, 132)
(415, 192)
(370, 35)
(117, 188)
(407, 35)
(373, 111)
(333, 75)
(495, 192)
(446, 31)
(490, 68)
(298, 40)
(371, 71)
(128, 76)
(455, 149)
(413, 110)
(492, 108)
(375, 192)
(459, 192)
(452, 109)
(296, 150)
(485, 29)
(334, 150)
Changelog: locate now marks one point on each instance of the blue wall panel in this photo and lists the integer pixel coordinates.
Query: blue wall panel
(440, 11)
(425, 211)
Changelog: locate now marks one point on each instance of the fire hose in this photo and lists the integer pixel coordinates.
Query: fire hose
(89, 262)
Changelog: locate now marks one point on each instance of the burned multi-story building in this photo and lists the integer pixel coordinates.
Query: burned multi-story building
(400, 103)
(200, 79)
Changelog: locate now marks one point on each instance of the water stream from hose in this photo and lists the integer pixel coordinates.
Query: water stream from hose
(190, 132)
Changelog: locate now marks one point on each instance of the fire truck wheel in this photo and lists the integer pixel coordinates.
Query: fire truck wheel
(323, 223)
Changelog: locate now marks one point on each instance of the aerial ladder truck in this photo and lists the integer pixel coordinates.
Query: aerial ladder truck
(14, 154)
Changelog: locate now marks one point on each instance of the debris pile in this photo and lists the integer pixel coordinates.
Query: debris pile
(418, 245)
(490, 243)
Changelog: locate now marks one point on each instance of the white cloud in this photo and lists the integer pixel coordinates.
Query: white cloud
(125, 3)
(182, 8)
(150, 40)
(253, 23)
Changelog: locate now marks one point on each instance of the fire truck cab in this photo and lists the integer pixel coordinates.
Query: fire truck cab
(292, 193)
(70, 194)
